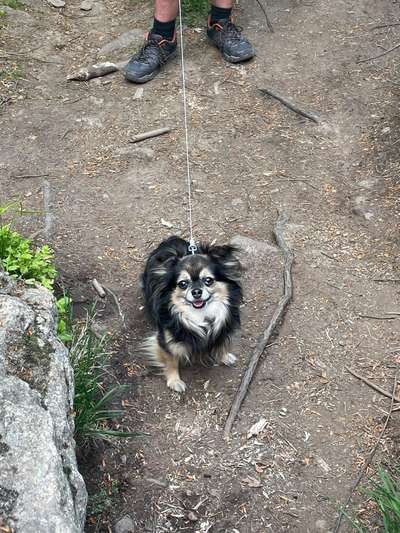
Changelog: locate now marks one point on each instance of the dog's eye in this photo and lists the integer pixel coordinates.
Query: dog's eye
(183, 284)
(208, 281)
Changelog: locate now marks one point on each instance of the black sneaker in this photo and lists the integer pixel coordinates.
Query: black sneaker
(230, 41)
(147, 62)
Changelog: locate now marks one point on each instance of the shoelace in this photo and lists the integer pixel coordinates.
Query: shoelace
(150, 51)
(231, 31)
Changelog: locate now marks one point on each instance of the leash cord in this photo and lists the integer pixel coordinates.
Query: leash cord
(192, 243)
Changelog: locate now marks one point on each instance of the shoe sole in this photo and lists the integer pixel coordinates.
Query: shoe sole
(147, 77)
(233, 59)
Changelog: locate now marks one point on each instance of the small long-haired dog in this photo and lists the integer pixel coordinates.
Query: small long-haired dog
(194, 302)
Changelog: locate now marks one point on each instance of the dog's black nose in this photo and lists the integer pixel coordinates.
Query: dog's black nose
(197, 293)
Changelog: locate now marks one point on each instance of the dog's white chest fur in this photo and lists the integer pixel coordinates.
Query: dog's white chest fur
(206, 321)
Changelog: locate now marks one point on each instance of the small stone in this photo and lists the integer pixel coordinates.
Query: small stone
(86, 5)
(125, 525)
(123, 41)
(56, 3)
(321, 525)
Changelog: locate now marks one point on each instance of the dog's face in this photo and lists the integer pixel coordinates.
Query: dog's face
(198, 283)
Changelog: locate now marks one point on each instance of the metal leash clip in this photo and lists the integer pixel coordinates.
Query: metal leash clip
(192, 246)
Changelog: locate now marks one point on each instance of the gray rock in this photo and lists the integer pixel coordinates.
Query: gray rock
(86, 5)
(126, 39)
(41, 489)
(252, 246)
(125, 525)
(56, 3)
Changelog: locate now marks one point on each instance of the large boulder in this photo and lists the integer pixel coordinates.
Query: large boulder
(41, 490)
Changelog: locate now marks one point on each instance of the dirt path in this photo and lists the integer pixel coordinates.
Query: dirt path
(104, 200)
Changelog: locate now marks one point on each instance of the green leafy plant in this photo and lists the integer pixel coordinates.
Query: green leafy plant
(94, 400)
(21, 260)
(65, 319)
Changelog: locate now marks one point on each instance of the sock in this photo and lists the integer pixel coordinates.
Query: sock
(219, 13)
(165, 29)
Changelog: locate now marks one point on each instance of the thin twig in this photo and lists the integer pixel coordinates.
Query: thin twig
(379, 55)
(149, 134)
(275, 320)
(291, 106)
(375, 317)
(117, 304)
(385, 26)
(372, 384)
(379, 280)
(269, 24)
(23, 176)
(369, 458)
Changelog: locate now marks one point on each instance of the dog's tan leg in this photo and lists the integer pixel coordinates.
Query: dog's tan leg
(171, 372)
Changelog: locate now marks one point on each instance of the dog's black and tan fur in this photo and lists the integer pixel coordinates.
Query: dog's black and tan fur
(194, 302)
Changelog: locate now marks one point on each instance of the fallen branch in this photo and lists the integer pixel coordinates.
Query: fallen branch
(94, 71)
(372, 384)
(368, 460)
(291, 106)
(149, 135)
(379, 55)
(98, 288)
(275, 320)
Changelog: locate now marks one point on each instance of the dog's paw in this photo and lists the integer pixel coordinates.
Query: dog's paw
(176, 384)
(229, 359)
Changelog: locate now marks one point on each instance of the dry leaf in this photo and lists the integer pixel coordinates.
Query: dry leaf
(252, 482)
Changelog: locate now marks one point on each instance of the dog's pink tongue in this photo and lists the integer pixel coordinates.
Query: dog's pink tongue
(198, 303)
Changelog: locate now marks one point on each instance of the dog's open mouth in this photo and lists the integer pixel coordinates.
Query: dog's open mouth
(199, 304)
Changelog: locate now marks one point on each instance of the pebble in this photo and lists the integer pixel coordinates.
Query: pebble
(321, 525)
(125, 525)
(56, 3)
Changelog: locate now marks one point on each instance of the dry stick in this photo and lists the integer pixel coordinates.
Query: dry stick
(369, 459)
(379, 55)
(98, 288)
(149, 134)
(372, 384)
(385, 26)
(23, 176)
(291, 106)
(270, 27)
(275, 320)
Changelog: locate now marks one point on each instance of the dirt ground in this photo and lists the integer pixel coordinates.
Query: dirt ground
(103, 199)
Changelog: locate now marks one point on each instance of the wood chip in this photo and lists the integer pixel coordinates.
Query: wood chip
(257, 428)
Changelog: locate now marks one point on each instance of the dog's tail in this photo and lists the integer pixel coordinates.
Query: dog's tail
(150, 351)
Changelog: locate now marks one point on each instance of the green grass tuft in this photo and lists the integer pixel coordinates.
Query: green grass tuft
(93, 398)
(195, 12)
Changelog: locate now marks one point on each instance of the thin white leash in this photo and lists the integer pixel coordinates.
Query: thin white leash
(192, 242)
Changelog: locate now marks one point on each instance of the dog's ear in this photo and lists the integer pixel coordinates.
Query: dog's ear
(166, 256)
(226, 257)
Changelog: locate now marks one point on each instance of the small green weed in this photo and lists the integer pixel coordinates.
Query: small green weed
(195, 11)
(93, 400)
(104, 500)
(14, 4)
(11, 73)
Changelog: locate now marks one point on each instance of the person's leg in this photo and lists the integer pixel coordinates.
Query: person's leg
(165, 13)
(223, 33)
(160, 44)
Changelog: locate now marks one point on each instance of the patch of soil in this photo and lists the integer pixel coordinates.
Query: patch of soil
(102, 200)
